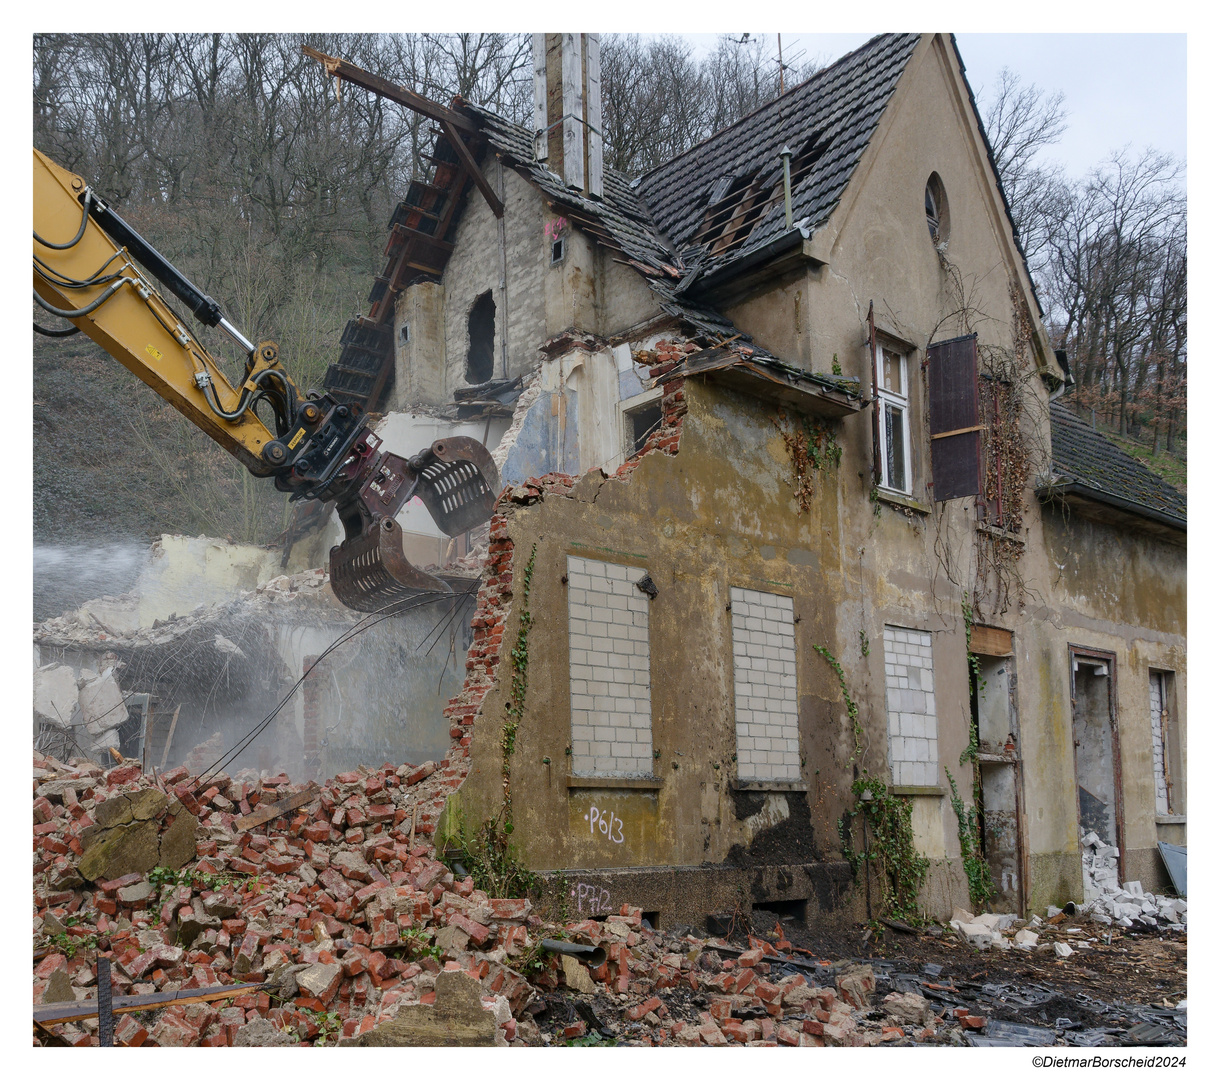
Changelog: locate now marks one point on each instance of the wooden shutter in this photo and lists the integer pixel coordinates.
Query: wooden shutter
(872, 363)
(953, 403)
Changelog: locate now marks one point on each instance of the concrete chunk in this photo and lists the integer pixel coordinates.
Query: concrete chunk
(55, 695)
(101, 703)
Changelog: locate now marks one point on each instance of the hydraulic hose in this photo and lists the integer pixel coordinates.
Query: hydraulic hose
(242, 405)
(96, 278)
(48, 332)
(84, 219)
(64, 313)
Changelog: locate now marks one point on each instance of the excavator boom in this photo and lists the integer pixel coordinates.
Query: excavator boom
(93, 269)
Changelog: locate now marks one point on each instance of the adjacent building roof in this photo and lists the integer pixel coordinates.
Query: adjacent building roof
(1084, 462)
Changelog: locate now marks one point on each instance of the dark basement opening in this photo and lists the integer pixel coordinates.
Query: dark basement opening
(783, 910)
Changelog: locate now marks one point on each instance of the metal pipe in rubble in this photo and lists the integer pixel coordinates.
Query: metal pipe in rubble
(593, 955)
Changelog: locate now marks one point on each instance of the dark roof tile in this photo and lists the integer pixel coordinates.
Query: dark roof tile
(838, 108)
(1083, 456)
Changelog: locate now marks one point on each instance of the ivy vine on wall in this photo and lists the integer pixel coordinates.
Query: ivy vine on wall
(889, 843)
(811, 447)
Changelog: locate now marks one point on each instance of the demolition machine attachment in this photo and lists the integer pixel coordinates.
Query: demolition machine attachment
(312, 445)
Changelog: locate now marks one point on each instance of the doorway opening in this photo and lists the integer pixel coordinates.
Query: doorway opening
(1095, 735)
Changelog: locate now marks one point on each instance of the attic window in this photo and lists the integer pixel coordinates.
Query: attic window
(936, 209)
(557, 251)
(481, 325)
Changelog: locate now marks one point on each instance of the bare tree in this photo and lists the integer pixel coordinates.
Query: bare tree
(1021, 121)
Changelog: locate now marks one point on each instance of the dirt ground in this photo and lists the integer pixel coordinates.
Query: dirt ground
(1117, 988)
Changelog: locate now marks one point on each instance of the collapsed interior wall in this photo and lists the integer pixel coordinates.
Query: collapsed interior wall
(188, 690)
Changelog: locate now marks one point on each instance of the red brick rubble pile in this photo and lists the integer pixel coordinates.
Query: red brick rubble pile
(342, 914)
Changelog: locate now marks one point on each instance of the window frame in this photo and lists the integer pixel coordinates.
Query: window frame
(1171, 749)
(626, 406)
(900, 402)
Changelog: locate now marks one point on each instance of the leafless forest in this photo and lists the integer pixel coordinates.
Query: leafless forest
(244, 164)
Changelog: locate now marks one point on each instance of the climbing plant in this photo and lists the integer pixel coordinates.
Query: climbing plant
(978, 873)
(853, 710)
(811, 447)
(890, 845)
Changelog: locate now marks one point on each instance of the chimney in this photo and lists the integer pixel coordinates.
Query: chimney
(568, 108)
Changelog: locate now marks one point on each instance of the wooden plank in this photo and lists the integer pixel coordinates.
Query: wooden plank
(424, 238)
(990, 641)
(169, 739)
(69, 1012)
(476, 174)
(273, 810)
(958, 431)
(383, 87)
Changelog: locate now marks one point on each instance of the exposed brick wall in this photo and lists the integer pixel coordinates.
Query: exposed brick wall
(668, 354)
(205, 754)
(495, 591)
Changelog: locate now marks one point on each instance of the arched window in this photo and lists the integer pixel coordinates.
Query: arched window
(481, 326)
(936, 209)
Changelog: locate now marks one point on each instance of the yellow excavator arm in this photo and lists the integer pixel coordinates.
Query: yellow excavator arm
(93, 269)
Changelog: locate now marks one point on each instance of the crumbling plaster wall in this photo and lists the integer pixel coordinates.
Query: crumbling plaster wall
(908, 562)
(586, 290)
(719, 514)
(1113, 589)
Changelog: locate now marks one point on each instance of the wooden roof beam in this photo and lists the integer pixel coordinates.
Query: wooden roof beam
(472, 167)
(431, 109)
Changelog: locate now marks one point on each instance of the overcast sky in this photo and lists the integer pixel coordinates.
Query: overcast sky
(1111, 96)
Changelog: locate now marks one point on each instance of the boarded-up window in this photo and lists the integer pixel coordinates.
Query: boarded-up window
(953, 403)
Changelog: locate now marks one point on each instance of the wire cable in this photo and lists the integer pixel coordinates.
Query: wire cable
(395, 607)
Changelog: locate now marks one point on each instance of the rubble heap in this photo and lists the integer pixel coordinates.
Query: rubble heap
(82, 629)
(1109, 902)
(344, 916)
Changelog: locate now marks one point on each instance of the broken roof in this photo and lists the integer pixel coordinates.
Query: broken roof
(726, 193)
(620, 219)
(1085, 463)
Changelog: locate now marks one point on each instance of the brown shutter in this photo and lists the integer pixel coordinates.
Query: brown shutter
(872, 363)
(953, 402)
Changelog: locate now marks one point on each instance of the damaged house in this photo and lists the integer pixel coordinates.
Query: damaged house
(792, 512)
(790, 503)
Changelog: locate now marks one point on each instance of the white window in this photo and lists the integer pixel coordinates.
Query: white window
(910, 704)
(608, 643)
(894, 419)
(641, 419)
(764, 679)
